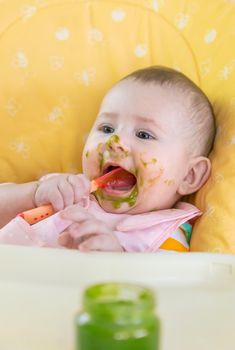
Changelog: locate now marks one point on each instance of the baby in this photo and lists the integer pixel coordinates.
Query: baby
(159, 127)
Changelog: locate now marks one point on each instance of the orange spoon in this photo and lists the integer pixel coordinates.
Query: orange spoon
(37, 214)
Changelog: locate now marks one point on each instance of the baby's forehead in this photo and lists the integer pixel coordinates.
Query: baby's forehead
(147, 97)
(171, 91)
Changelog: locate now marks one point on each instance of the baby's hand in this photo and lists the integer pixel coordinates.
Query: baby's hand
(87, 233)
(62, 190)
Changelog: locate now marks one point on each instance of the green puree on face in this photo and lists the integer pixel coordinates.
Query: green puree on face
(117, 201)
(113, 139)
(117, 321)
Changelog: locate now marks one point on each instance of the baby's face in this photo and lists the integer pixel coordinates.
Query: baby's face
(139, 128)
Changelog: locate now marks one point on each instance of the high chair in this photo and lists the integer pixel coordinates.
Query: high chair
(57, 60)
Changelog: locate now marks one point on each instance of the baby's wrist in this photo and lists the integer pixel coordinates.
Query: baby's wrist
(36, 187)
(26, 194)
(48, 176)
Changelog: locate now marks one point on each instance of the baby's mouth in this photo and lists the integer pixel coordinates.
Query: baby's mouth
(119, 182)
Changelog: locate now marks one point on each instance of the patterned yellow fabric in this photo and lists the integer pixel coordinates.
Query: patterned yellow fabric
(57, 59)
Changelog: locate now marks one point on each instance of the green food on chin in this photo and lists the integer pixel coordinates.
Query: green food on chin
(117, 201)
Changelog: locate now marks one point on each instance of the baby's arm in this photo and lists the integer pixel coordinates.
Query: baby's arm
(60, 190)
(15, 198)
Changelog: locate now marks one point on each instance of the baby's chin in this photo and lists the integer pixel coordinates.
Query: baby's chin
(115, 207)
(117, 201)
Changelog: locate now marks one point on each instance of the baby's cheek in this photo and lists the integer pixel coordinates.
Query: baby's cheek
(169, 182)
(155, 177)
(147, 169)
(150, 176)
(159, 173)
(93, 160)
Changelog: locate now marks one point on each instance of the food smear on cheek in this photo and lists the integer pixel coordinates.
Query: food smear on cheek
(150, 162)
(100, 153)
(152, 181)
(106, 154)
(145, 164)
(139, 177)
(169, 182)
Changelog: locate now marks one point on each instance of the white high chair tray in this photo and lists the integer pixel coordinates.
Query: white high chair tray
(40, 292)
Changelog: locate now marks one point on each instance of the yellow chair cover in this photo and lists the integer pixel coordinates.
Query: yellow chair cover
(58, 58)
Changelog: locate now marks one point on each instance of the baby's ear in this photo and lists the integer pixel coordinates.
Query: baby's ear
(197, 175)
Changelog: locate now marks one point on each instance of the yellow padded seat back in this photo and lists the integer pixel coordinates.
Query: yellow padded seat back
(58, 58)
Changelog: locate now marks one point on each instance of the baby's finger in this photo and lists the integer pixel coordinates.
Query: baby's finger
(69, 241)
(81, 186)
(88, 227)
(101, 243)
(56, 199)
(76, 213)
(66, 240)
(52, 196)
(67, 192)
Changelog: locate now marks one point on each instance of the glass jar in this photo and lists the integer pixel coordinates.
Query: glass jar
(117, 316)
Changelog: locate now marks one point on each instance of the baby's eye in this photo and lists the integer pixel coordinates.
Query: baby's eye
(144, 135)
(106, 129)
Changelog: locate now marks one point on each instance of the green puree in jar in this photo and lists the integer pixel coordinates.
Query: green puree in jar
(117, 316)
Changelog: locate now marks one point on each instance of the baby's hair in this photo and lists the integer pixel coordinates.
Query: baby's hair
(202, 120)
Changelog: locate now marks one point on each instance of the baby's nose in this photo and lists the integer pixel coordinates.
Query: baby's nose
(116, 146)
